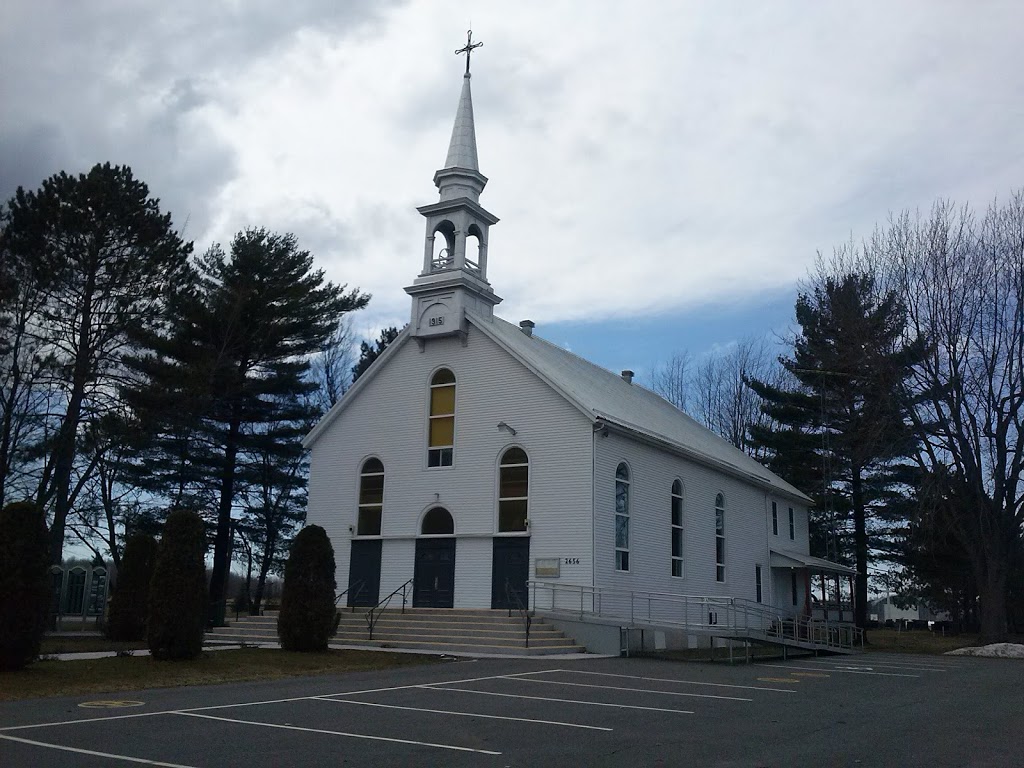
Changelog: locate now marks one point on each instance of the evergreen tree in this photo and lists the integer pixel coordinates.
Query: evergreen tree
(236, 361)
(129, 605)
(177, 593)
(308, 617)
(843, 431)
(24, 587)
(370, 352)
(102, 258)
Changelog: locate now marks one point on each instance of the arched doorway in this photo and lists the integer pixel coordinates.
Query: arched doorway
(434, 572)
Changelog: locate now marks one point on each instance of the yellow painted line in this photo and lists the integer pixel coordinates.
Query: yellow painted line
(110, 704)
(778, 680)
(809, 674)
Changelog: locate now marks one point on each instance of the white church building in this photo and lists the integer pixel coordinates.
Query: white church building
(490, 466)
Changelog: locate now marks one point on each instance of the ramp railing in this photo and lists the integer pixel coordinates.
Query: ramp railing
(722, 616)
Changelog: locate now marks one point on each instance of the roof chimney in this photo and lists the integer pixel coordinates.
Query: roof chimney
(527, 326)
(627, 376)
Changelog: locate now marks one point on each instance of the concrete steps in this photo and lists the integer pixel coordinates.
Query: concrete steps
(456, 631)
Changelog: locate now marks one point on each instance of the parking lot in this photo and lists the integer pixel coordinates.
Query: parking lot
(865, 710)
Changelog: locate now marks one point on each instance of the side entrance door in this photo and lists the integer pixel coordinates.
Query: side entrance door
(511, 568)
(434, 574)
(364, 573)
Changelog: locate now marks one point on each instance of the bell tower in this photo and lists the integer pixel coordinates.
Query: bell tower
(454, 276)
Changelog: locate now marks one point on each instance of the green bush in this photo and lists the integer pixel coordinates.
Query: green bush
(129, 605)
(24, 583)
(177, 593)
(308, 617)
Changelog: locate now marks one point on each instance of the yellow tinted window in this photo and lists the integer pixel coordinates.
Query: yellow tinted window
(442, 432)
(442, 401)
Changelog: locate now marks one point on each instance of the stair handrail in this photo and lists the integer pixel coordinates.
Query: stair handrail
(373, 615)
(358, 586)
(510, 596)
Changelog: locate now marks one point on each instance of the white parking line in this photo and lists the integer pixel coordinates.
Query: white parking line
(560, 701)
(93, 753)
(451, 747)
(635, 690)
(256, 703)
(838, 669)
(468, 714)
(681, 682)
(869, 664)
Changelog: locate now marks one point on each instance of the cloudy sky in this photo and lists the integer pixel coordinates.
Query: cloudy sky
(664, 171)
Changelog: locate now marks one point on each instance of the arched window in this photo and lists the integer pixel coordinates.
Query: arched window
(622, 518)
(513, 490)
(677, 529)
(442, 419)
(437, 521)
(371, 498)
(719, 537)
(444, 246)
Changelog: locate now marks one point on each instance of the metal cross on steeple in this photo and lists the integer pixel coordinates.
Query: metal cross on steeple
(468, 50)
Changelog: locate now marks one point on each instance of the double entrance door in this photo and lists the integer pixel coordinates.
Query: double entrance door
(433, 583)
(434, 573)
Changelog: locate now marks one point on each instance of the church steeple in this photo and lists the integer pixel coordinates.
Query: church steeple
(454, 276)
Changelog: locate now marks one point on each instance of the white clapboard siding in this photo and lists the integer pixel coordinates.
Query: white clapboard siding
(388, 419)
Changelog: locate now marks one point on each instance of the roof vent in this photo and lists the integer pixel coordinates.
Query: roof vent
(627, 376)
(527, 326)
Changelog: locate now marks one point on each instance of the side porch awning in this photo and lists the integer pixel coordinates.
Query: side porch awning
(783, 559)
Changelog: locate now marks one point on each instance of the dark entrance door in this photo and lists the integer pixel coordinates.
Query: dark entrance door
(364, 573)
(434, 575)
(511, 569)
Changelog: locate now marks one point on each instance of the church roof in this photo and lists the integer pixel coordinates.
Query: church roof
(607, 397)
(462, 148)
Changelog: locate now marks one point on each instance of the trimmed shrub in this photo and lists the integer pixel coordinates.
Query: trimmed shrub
(129, 605)
(177, 593)
(24, 583)
(308, 617)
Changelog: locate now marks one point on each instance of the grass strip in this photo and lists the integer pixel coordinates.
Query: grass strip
(131, 673)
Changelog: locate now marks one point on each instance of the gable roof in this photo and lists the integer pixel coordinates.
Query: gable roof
(606, 397)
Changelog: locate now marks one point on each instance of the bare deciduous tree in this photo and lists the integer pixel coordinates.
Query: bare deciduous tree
(671, 379)
(963, 281)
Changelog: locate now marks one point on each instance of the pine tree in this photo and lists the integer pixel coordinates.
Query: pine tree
(843, 429)
(370, 352)
(103, 258)
(236, 361)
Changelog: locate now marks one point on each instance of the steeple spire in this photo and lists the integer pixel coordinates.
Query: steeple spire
(462, 148)
(454, 276)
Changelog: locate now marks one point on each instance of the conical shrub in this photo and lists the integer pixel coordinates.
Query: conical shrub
(177, 593)
(24, 587)
(308, 617)
(129, 605)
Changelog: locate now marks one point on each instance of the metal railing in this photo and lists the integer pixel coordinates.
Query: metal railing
(712, 614)
(356, 589)
(512, 597)
(374, 613)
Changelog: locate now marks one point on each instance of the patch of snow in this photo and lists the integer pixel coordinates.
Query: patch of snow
(995, 650)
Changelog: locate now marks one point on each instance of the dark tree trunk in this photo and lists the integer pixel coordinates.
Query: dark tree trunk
(222, 540)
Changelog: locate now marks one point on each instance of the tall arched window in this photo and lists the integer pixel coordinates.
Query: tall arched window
(677, 529)
(371, 498)
(513, 490)
(441, 444)
(622, 518)
(719, 537)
